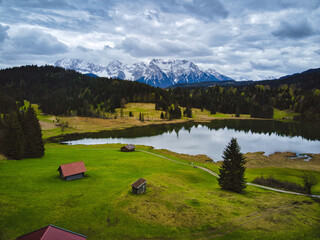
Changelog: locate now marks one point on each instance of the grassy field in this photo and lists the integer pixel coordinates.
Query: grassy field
(181, 202)
(50, 125)
(279, 165)
(285, 115)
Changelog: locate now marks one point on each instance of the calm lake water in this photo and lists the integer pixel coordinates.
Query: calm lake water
(211, 138)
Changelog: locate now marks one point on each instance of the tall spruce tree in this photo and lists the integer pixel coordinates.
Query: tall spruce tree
(14, 146)
(231, 173)
(34, 146)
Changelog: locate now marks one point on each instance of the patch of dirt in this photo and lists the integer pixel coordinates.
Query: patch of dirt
(46, 125)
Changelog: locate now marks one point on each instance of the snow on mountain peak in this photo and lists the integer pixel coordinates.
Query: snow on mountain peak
(158, 72)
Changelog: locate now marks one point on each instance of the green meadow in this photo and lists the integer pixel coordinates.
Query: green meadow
(181, 202)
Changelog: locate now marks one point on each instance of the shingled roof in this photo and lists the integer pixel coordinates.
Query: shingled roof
(130, 146)
(72, 168)
(52, 232)
(138, 183)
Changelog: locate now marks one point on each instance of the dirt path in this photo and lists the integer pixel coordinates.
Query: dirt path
(216, 175)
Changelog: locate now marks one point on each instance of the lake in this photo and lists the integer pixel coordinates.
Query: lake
(211, 138)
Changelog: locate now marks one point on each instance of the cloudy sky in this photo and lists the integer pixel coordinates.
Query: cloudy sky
(247, 38)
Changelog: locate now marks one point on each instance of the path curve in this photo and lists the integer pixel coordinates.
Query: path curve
(216, 175)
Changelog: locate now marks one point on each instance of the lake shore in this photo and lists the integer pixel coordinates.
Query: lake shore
(53, 126)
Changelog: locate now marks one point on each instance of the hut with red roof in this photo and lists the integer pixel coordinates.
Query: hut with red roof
(52, 232)
(71, 171)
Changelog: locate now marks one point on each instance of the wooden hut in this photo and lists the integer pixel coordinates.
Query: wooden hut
(71, 171)
(139, 186)
(128, 148)
(52, 232)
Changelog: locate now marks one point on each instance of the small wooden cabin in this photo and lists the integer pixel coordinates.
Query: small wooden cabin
(52, 232)
(139, 186)
(128, 148)
(71, 171)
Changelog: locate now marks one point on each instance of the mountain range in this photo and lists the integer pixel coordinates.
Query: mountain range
(158, 73)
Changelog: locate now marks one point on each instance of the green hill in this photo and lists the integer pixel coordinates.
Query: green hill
(181, 202)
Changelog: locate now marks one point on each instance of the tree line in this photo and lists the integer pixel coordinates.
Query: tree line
(20, 134)
(66, 92)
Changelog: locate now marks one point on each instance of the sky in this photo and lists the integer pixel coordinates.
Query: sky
(247, 39)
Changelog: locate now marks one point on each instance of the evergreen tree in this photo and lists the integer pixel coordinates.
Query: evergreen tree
(34, 146)
(162, 115)
(237, 112)
(232, 171)
(188, 112)
(14, 146)
(141, 117)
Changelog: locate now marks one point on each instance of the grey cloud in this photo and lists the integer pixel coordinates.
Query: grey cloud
(298, 29)
(82, 48)
(60, 14)
(3, 32)
(203, 9)
(47, 4)
(138, 48)
(36, 42)
(270, 5)
(265, 65)
(207, 9)
(152, 15)
(236, 37)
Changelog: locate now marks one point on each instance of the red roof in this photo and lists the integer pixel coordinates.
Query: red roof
(52, 232)
(138, 183)
(72, 168)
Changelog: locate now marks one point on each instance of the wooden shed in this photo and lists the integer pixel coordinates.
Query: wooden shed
(71, 171)
(128, 148)
(52, 232)
(139, 186)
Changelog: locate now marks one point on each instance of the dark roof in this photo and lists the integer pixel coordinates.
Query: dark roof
(138, 183)
(130, 146)
(72, 168)
(52, 232)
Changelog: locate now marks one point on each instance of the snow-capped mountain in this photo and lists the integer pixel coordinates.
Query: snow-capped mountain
(158, 72)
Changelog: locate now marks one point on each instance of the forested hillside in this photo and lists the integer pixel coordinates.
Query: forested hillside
(64, 92)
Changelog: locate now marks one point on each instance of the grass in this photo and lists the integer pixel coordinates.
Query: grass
(151, 116)
(278, 165)
(284, 174)
(284, 114)
(181, 202)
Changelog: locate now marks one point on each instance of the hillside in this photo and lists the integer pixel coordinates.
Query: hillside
(181, 202)
(65, 92)
(307, 80)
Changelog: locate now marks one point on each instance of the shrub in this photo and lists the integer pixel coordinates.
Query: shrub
(276, 183)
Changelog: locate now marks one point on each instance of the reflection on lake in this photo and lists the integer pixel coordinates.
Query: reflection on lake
(211, 138)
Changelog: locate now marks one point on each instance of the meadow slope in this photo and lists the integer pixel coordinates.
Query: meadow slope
(181, 202)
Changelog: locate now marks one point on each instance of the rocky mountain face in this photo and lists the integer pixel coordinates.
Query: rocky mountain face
(158, 72)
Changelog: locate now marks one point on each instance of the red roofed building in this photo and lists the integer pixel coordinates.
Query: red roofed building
(71, 171)
(52, 232)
